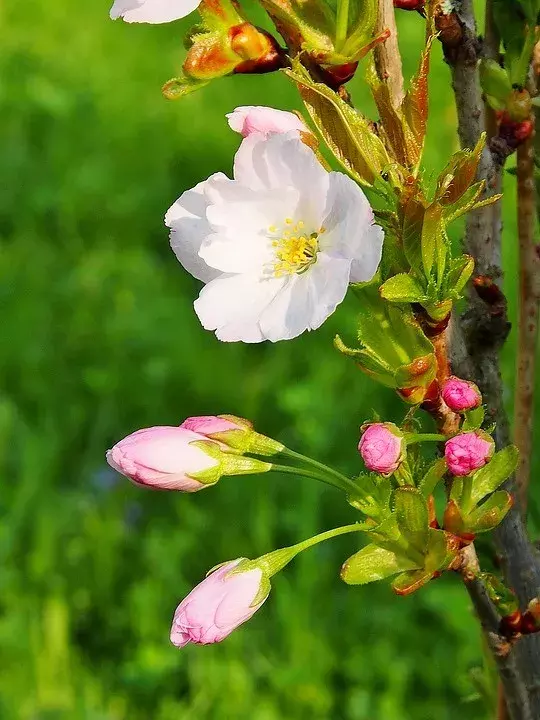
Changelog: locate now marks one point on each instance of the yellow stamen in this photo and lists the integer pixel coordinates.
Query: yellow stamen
(294, 252)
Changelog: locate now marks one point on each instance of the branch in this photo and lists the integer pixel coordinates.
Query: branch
(504, 654)
(478, 336)
(387, 55)
(529, 298)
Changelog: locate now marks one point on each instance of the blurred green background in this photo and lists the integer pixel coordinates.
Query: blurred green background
(99, 338)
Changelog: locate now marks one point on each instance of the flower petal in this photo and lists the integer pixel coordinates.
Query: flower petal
(350, 231)
(307, 300)
(283, 160)
(232, 304)
(152, 11)
(189, 228)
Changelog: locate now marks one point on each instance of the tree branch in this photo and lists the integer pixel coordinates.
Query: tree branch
(504, 654)
(477, 339)
(529, 298)
(387, 55)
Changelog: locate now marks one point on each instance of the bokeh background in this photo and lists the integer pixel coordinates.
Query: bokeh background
(99, 338)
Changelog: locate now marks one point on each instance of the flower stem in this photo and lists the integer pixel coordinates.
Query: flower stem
(328, 479)
(412, 438)
(342, 23)
(344, 482)
(276, 560)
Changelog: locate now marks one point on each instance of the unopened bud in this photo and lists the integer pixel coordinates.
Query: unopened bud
(468, 452)
(382, 447)
(461, 395)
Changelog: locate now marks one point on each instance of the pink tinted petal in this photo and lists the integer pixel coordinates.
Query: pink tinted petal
(235, 608)
(259, 119)
(209, 424)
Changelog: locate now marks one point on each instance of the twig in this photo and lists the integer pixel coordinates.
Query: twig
(529, 298)
(387, 55)
(504, 654)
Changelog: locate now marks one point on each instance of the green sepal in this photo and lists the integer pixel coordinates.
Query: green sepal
(412, 517)
(491, 476)
(179, 87)
(433, 476)
(473, 419)
(490, 513)
(453, 518)
(402, 288)
(373, 563)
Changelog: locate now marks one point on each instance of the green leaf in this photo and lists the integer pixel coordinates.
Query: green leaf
(498, 469)
(473, 419)
(373, 563)
(494, 79)
(413, 222)
(432, 240)
(434, 474)
(439, 555)
(402, 288)
(462, 167)
(491, 513)
(415, 104)
(412, 516)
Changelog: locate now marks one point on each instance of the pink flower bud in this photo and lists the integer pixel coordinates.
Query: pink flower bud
(218, 605)
(209, 425)
(382, 448)
(264, 120)
(461, 395)
(468, 451)
(164, 458)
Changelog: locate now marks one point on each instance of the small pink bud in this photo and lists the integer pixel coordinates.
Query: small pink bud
(264, 120)
(468, 451)
(218, 605)
(163, 458)
(461, 395)
(382, 448)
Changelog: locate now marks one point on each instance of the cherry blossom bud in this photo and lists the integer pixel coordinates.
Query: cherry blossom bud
(175, 458)
(250, 119)
(234, 433)
(468, 452)
(461, 395)
(225, 599)
(382, 447)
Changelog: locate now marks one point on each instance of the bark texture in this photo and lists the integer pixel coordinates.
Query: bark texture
(476, 339)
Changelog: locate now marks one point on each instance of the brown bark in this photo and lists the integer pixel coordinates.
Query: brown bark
(387, 55)
(476, 340)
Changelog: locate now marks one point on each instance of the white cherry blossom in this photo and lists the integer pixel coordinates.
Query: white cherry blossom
(278, 245)
(152, 11)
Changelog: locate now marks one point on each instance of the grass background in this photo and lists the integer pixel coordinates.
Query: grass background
(99, 338)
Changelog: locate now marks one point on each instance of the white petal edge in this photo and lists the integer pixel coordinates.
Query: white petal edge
(152, 11)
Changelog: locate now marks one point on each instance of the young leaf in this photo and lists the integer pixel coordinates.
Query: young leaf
(432, 231)
(490, 514)
(373, 563)
(453, 518)
(349, 136)
(434, 474)
(415, 104)
(439, 553)
(473, 419)
(461, 269)
(412, 516)
(463, 167)
(402, 288)
(498, 469)
(412, 234)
